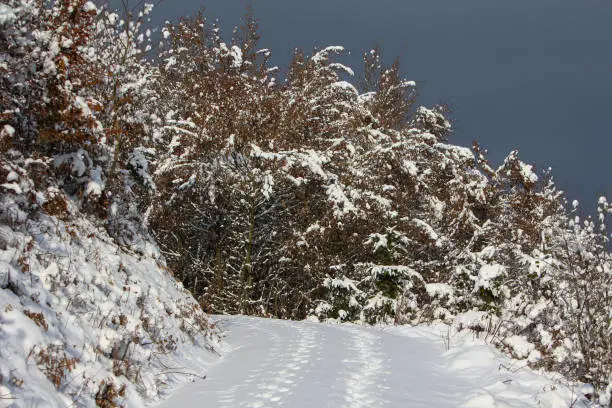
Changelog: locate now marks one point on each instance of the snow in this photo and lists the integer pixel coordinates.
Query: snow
(12, 186)
(342, 205)
(458, 153)
(395, 270)
(487, 274)
(343, 68)
(346, 86)
(77, 161)
(268, 186)
(171, 61)
(236, 53)
(89, 7)
(66, 290)
(92, 188)
(474, 319)
(323, 55)
(7, 131)
(81, 104)
(521, 348)
(276, 363)
(410, 167)
(425, 228)
(139, 163)
(344, 283)
(439, 290)
(366, 97)
(379, 241)
(527, 173)
(7, 14)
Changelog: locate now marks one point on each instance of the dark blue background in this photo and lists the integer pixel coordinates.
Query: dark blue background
(532, 75)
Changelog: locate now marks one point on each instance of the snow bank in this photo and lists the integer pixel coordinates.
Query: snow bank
(489, 378)
(84, 321)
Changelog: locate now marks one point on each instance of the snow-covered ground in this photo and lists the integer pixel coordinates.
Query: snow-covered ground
(84, 322)
(275, 363)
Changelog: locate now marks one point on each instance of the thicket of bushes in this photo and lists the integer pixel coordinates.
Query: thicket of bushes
(297, 193)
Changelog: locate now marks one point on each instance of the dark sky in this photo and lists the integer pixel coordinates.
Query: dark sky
(532, 75)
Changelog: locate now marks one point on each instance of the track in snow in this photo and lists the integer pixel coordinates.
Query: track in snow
(277, 363)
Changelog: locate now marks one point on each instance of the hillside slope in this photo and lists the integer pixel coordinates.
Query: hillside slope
(85, 322)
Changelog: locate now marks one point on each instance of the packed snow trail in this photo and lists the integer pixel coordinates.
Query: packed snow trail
(277, 363)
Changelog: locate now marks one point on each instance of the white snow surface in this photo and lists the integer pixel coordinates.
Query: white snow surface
(68, 291)
(277, 363)
(7, 14)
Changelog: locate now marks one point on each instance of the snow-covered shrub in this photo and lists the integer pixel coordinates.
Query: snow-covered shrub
(75, 101)
(572, 321)
(383, 294)
(344, 300)
(78, 311)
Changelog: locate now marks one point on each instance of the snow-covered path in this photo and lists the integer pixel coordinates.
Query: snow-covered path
(275, 363)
